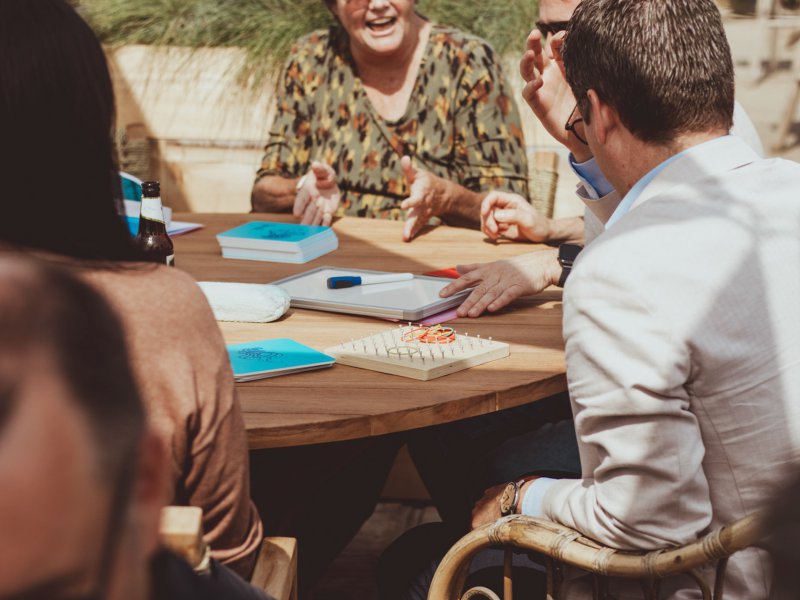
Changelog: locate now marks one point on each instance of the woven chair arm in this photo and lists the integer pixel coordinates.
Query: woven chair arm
(570, 547)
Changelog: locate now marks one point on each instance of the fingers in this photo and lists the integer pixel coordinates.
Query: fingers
(535, 40)
(527, 69)
(327, 218)
(322, 171)
(309, 214)
(413, 201)
(536, 45)
(324, 175)
(459, 284)
(492, 201)
(484, 296)
(507, 216)
(530, 92)
(488, 223)
(534, 60)
(489, 227)
(555, 48)
(408, 169)
(301, 200)
(505, 298)
(414, 223)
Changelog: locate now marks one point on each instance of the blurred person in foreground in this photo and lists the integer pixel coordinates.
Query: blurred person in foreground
(387, 115)
(509, 216)
(83, 478)
(681, 326)
(60, 180)
(783, 527)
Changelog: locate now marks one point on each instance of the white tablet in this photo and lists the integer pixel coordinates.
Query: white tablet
(411, 300)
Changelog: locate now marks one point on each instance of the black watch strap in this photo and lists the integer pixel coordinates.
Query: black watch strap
(565, 271)
(567, 253)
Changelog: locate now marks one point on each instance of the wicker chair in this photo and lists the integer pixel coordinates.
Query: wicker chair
(564, 546)
(543, 181)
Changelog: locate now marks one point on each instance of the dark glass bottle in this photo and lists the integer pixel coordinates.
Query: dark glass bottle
(152, 238)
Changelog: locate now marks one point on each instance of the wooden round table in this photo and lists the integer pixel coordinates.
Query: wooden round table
(343, 402)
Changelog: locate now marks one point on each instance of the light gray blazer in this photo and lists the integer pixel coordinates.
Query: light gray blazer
(682, 331)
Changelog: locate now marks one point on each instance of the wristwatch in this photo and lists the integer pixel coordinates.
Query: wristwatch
(510, 498)
(567, 253)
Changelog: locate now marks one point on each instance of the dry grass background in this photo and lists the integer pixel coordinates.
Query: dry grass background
(266, 29)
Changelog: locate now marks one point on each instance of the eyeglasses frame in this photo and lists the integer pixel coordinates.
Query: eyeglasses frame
(570, 125)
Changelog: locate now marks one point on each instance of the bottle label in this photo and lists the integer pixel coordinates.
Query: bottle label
(151, 210)
(171, 260)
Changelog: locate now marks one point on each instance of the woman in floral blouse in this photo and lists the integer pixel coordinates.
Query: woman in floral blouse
(388, 113)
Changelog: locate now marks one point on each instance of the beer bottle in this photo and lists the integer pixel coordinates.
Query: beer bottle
(152, 238)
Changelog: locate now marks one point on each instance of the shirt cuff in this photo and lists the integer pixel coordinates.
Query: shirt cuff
(591, 177)
(534, 496)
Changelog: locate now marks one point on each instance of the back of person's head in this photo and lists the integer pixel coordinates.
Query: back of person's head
(57, 169)
(72, 429)
(664, 65)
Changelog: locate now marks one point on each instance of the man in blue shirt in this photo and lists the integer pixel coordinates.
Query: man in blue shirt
(511, 216)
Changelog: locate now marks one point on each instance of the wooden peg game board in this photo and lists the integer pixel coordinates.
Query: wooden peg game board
(418, 352)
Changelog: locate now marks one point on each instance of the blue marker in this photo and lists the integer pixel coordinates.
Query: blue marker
(346, 281)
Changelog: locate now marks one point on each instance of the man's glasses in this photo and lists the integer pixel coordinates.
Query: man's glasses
(551, 28)
(572, 122)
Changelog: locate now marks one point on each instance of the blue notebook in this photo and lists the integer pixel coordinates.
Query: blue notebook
(268, 358)
(265, 235)
(175, 227)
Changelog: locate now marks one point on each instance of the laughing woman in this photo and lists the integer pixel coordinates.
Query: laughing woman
(386, 113)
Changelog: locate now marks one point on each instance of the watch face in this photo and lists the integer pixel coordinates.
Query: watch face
(507, 499)
(567, 253)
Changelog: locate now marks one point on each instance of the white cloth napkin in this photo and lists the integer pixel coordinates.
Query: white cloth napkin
(246, 302)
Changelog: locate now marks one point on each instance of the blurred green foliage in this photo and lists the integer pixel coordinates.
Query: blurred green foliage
(265, 29)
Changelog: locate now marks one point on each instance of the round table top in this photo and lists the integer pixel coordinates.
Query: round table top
(344, 402)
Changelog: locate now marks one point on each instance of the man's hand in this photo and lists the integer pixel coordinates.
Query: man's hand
(547, 92)
(499, 283)
(429, 197)
(318, 198)
(513, 217)
(487, 509)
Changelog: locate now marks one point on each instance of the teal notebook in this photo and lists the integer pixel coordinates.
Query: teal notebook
(265, 235)
(269, 358)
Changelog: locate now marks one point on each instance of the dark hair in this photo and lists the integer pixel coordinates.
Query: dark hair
(783, 527)
(42, 306)
(664, 65)
(58, 174)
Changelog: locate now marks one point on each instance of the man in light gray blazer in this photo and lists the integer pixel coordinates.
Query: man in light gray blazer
(682, 318)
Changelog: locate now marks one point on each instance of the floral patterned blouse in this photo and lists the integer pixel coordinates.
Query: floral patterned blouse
(461, 123)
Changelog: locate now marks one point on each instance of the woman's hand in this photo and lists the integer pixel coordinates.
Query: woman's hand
(318, 195)
(429, 197)
(499, 283)
(511, 216)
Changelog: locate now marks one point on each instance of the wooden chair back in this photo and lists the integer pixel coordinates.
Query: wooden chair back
(564, 546)
(181, 531)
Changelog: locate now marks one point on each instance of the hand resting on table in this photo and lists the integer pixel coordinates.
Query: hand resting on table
(499, 283)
